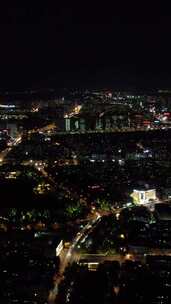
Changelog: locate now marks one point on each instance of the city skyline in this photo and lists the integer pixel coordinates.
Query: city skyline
(85, 153)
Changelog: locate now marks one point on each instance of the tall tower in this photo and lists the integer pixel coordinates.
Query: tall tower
(67, 124)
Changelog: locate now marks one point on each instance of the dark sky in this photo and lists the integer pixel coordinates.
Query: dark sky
(49, 43)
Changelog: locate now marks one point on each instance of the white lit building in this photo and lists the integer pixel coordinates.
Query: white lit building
(143, 196)
(67, 123)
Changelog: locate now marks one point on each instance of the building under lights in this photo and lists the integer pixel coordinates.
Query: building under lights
(143, 196)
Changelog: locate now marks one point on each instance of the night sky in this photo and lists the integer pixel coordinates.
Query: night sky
(48, 43)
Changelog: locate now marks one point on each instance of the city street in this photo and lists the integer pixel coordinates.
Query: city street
(92, 260)
(71, 255)
(5, 152)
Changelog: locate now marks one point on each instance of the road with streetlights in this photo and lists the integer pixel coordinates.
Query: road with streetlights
(92, 260)
(71, 255)
(14, 143)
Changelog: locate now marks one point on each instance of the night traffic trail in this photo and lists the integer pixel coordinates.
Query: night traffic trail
(5, 152)
(71, 255)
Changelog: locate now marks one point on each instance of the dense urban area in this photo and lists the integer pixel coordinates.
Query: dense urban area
(85, 187)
